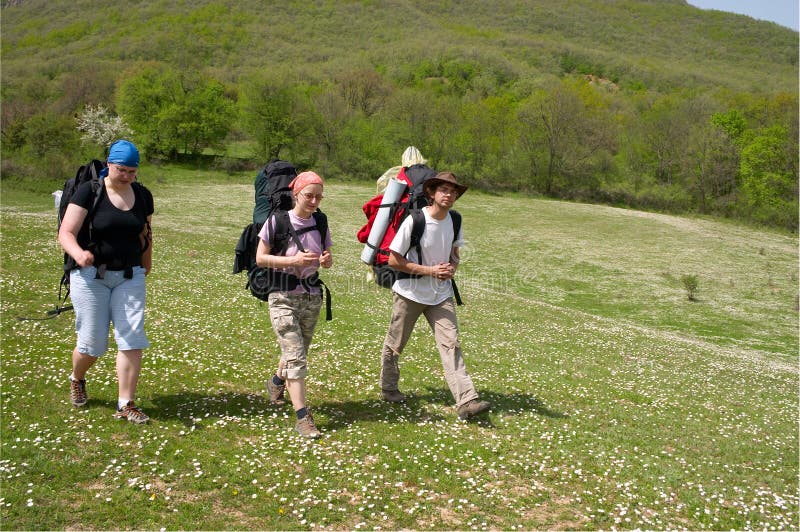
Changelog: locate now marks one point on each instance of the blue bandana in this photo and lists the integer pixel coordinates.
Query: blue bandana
(125, 153)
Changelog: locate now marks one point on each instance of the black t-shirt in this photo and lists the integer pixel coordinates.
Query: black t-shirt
(115, 234)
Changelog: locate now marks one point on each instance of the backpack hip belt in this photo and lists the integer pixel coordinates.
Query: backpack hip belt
(264, 281)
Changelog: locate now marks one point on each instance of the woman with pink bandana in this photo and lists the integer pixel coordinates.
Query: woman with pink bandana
(294, 312)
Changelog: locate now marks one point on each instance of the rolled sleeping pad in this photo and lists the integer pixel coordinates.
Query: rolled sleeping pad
(394, 191)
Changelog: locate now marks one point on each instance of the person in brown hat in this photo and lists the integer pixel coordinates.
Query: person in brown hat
(425, 287)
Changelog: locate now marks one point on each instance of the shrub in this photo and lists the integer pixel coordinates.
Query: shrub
(690, 284)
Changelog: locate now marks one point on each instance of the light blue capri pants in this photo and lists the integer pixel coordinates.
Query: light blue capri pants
(101, 302)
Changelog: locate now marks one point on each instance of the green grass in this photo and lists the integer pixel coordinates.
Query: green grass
(618, 403)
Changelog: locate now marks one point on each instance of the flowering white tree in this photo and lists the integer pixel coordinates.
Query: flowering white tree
(101, 127)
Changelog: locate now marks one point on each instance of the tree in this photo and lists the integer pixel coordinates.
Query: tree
(662, 132)
(569, 127)
(204, 118)
(329, 114)
(101, 127)
(444, 121)
(364, 149)
(732, 122)
(768, 182)
(50, 142)
(410, 112)
(547, 117)
(363, 90)
(712, 164)
(174, 112)
(486, 136)
(710, 160)
(88, 84)
(268, 111)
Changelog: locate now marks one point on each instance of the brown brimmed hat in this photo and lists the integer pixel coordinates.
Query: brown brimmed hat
(441, 178)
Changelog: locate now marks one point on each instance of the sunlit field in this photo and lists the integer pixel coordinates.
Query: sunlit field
(618, 402)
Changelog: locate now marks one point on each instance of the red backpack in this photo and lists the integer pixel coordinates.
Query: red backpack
(410, 203)
(412, 198)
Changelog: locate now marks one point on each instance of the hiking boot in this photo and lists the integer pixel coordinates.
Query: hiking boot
(77, 392)
(306, 428)
(473, 408)
(393, 396)
(132, 413)
(390, 373)
(276, 393)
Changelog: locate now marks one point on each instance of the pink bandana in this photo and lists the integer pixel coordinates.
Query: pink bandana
(304, 179)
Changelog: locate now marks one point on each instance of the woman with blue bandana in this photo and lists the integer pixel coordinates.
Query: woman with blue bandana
(112, 250)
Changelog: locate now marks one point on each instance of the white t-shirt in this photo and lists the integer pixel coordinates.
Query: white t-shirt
(437, 245)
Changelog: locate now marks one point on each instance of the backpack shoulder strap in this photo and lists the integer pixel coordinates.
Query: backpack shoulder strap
(98, 188)
(456, 217)
(417, 225)
(147, 236)
(322, 225)
(417, 228)
(280, 235)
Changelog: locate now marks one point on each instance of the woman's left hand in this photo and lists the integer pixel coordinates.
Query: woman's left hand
(326, 259)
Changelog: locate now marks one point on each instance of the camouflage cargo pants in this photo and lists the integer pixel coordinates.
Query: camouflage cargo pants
(294, 317)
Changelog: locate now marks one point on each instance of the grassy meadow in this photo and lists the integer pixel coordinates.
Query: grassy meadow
(618, 402)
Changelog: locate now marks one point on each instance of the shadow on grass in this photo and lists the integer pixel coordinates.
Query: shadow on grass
(518, 403)
(190, 407)
(414, 408)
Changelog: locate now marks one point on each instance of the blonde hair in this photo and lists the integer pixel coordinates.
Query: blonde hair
(412, 156)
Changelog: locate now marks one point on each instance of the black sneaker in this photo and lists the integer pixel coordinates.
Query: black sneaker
(77, 392)
(473, 408)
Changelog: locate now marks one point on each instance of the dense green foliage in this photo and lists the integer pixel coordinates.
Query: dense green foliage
(619, 102)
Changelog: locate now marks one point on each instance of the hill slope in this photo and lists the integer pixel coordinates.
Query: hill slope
(658, 43)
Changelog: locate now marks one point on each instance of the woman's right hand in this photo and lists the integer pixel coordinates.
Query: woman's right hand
(84, 258)
(306, 258)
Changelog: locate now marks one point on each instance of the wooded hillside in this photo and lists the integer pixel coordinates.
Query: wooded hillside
(652, 104)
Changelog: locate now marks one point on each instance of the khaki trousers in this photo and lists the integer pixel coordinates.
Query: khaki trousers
(442, 320)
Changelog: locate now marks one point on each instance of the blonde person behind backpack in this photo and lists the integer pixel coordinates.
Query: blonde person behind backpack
(410, 156)
(294, 311)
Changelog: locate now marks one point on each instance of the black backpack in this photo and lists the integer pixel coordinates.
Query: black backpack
(272, 190)
(87, 172)
(385, 275)
(272, 194)
(274, 198)
(417, 174)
